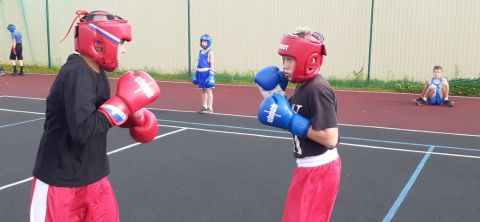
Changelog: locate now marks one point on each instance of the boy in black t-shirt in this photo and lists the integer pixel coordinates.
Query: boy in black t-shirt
(311, 116)
(70, 174)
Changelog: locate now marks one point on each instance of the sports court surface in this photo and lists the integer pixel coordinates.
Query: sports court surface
(400, 162)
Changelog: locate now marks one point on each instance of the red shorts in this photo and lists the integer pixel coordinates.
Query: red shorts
(94, 202)
(312, 193)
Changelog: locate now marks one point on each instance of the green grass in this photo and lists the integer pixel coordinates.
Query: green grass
(31, 68)
(458, 86)
(185, 77)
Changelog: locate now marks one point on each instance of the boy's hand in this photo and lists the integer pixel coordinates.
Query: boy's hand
(271, 80)
(210, 82)
(134, 91)
(195, 78)
(143, 125)
(276, 111)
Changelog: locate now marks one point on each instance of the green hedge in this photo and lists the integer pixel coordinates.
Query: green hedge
(458, 86)
(465, 87)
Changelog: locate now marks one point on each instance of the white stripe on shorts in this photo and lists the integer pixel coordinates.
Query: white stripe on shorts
(313, 161)
(203, 69)
(38, 209)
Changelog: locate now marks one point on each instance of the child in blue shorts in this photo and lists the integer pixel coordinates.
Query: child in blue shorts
(436, 90)
(204, 76)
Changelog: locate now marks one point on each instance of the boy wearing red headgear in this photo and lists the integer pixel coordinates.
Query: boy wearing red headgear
(311, 116)
(70, 173)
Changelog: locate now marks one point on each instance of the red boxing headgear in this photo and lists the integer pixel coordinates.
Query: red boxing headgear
(307, 53)
(98, 35)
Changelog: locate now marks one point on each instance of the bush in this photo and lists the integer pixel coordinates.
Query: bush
(458, 86)
(408, 86)
(465, 87)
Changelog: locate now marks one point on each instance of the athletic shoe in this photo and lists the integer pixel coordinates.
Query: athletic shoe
(420, 102)
(448, 103)
(203, 110)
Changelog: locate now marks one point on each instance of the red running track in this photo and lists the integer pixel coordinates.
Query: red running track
(359, 108)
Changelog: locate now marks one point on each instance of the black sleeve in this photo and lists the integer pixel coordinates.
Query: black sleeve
(80, 95)
(323, 109)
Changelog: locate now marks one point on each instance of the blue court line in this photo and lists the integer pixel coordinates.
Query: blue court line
(224, 126)
(342, 137)
(384, 141)
(14, 124)
(403, 194)
(412, 144)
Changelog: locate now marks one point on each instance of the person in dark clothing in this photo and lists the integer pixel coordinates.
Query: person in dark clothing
(70, 172)
(16, 52)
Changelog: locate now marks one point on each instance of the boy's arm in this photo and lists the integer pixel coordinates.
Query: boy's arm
(424, 89)
(327, 137)
(14, 43)
(445, 81)
(211, 59)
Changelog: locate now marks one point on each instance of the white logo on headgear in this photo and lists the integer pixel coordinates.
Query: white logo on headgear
(283, 47)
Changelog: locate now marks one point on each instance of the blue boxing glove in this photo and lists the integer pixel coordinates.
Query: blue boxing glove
(210, 82)
(271, 80)
(276, 111)
(195, 78)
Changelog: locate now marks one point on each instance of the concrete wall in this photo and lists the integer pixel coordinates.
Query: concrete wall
(409, 37)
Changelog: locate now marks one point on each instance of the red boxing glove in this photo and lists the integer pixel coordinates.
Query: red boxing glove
(14, 50)
(134, 91)
(143, 125)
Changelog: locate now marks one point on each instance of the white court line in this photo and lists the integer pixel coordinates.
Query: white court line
(136, 144)
(256, 135)
(228, 132)
(16, 183)
(351, 125)
(341, 143)
(21, 111)
(411, 130)
(22, 97)
(109, 153)
(411, 151)
(189, 111)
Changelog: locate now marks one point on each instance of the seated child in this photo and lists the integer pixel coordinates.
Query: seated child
(435, 91)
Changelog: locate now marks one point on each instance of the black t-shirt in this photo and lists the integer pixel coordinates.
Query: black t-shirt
(72, 151)
(314, 100)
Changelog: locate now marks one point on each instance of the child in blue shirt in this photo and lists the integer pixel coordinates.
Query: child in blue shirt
(16, 53)
(436, 90)
(204, 76)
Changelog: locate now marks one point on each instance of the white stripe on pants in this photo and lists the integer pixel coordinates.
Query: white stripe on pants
(38, 207)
